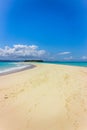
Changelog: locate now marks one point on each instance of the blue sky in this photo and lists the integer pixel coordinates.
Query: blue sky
(59, 27)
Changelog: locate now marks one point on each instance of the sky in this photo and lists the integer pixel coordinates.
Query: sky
(43, 29)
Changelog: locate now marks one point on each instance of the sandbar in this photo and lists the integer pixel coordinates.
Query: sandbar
(47, 97)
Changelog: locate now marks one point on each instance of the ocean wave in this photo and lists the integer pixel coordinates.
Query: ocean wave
(16, 68)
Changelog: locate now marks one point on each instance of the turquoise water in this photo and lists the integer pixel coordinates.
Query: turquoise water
(81, 64)
(12, 66)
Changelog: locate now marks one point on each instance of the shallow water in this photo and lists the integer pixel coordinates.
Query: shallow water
(81, 64)
(6, 67)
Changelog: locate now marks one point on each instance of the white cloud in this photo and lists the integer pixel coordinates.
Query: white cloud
(84, 57)
(20, 51)
(64, 53)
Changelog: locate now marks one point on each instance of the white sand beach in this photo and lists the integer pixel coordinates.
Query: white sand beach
(47, 97)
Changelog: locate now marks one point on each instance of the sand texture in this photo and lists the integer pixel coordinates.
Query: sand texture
(47, 97)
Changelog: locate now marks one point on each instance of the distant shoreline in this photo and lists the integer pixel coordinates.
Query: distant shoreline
(21, 60)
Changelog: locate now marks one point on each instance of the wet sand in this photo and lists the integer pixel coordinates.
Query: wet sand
(30, 66)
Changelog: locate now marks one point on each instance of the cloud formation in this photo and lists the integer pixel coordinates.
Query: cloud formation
(23, 52)
(20, 51)
(64, 53)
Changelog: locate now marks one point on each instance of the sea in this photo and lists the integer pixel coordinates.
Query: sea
(6, 67)
(74, 63)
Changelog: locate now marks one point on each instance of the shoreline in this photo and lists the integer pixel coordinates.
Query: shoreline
(31, 66)
(65, 64)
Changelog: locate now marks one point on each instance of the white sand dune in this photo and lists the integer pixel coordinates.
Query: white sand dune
(47, 97)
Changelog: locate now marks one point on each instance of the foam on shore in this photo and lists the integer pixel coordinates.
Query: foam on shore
(15, 69)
